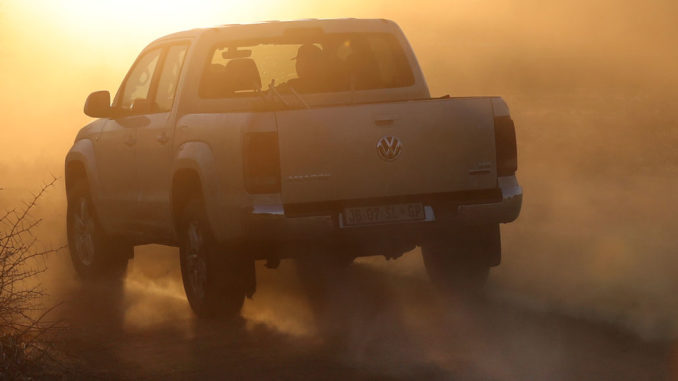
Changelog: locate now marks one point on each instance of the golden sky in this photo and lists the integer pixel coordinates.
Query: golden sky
(54, 53)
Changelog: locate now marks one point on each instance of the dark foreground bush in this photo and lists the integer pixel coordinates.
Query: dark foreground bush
(24, 329)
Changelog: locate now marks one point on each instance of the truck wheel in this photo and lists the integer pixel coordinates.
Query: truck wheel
(459, 265)
(94, 255)
(214, 283)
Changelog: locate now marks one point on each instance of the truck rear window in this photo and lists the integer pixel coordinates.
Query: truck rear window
(318, 63)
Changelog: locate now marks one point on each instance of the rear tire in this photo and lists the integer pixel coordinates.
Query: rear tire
(215, 282)
(93, 253)
(459, 265)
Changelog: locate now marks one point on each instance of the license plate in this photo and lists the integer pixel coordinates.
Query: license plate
(370, 215)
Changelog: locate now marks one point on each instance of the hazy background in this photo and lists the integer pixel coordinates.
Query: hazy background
(591, 86)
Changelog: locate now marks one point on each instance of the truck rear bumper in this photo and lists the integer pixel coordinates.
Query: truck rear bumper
(506, 210)
(266, 220)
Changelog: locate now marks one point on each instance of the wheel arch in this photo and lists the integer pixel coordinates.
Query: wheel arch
(185, 183)
(80, 163)
(195, 171)
(75, 170)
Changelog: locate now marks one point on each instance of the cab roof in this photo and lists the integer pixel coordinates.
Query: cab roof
(329, 25)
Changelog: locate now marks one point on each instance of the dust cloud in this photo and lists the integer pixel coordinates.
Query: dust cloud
(591, 87)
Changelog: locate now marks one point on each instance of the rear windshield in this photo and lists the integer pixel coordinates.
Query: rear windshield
(308, 64)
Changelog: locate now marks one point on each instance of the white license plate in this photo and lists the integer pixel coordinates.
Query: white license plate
(370, 215)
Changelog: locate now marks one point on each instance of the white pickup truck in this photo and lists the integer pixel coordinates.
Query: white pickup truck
(311, 138)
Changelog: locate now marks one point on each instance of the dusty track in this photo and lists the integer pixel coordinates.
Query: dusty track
(368, 323)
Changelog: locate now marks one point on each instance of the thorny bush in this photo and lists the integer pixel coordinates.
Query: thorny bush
(23, 323)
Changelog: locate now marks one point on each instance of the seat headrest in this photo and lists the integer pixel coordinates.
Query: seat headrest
(212, 79)
(241, 74)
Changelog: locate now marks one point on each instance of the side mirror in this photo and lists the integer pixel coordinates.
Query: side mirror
(98, 104)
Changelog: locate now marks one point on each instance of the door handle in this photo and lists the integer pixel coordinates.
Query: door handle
(130, 141)
(162, 138)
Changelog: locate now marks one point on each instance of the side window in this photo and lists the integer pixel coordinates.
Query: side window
(138, 85)
(169, 77)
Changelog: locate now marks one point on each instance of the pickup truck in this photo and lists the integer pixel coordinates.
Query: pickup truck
(300, 139)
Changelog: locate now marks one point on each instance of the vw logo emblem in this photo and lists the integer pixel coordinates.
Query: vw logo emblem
(389, 147)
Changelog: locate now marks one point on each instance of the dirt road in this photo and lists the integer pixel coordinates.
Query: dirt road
(370, 322)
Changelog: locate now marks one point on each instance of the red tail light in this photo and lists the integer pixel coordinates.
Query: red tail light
(505, 143)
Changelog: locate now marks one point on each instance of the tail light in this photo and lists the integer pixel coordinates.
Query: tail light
(261, 162)
(505, 145)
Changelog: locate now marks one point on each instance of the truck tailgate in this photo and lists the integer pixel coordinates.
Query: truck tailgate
(390, 149)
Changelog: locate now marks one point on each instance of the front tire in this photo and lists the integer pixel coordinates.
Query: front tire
(459, 264)
(93, 253)
(214, 281)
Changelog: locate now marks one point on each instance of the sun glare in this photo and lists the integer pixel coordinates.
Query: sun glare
(123, 19)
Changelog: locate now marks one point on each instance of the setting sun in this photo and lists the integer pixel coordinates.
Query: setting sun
(131, 16)
(92, 21)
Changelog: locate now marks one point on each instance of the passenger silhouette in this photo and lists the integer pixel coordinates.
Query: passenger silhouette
(310, 66)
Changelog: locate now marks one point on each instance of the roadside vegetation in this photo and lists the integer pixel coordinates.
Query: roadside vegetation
(25, 328)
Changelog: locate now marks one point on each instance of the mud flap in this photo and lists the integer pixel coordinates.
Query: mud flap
(249, 279)
(493, 241)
